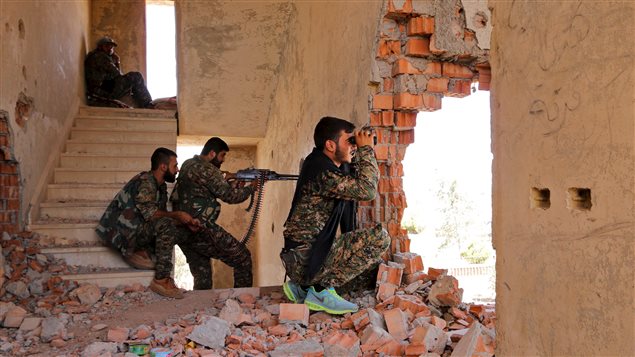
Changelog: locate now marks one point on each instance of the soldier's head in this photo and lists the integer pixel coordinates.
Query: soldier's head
(106, 44)
(214, 151)
(331, 136)
(164, 163)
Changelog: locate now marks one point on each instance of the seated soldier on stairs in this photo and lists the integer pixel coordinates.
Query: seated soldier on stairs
(137, 222)
(106, 84)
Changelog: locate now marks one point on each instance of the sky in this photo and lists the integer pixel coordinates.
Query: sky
(161, 51)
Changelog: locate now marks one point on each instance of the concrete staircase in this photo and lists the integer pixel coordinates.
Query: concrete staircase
(107, 147)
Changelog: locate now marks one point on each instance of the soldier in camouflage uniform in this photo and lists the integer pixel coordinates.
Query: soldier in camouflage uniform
(316, 259)
(104, 81)
(199, 187)
(137, 222)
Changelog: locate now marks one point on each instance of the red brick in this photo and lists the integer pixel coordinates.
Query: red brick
(375, 119)
(402, 66)
(298, 313)
(453, 70)
(438, 322)
(383, 135)
(437, 85)
(433, 46)
(389, 273)
(404, 119)
(421, 25)
(4, 128)
(6, 168)
(397, 323)
(392, 348)
(458, 313)
(431, 102)
(381, 152)
(459, 88)
(434, 69)
(400, 245)
(389, 84)
(118, 334)
(410, 303)
(12, 205)
(407, 136)
(483, 86)
(385, 291)
(478, 311)
(434, 274)
(387, 117)
(407, 101)
(346, 340)
(411, 261)
(381, 101)
(387, 48)
(416, 349)
(374, 337)
(418, 47)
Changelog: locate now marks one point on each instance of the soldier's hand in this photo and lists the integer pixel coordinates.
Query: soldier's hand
(115, 57)
(364, 137)
(195, 225)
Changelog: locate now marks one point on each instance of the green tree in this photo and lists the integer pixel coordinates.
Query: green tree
(457, 216)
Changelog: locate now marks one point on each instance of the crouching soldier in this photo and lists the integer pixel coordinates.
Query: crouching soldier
(137, 222)
(316, 258)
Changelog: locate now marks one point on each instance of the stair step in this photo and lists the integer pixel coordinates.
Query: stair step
(82, 191)
(125, 112)
(66, 233)
(103, 161)
(73, 210)
(112, 148)
(158, 137)
(98, 256)
(97, 175)
(114, 122)
(113, 278)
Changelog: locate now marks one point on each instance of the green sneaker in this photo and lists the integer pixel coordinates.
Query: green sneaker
(328, 300)
(294, 292)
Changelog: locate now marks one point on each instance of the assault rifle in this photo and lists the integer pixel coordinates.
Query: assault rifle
(260, 176)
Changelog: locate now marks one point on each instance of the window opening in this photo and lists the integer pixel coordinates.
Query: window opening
(161, 48)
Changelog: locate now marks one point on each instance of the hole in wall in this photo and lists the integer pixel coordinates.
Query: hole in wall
(540, 198)
(579, 199)
(21, 29)
(447, 181)
(24, 72)
(480, 20)
(161, 48)
(273, 227)
(7, 27)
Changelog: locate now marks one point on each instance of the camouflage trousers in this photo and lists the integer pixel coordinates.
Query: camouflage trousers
(216, 243)
(162, 234)
(131, 82)
(351, 264)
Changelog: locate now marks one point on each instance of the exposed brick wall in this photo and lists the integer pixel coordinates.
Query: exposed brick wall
(413, 75)
(9, 180)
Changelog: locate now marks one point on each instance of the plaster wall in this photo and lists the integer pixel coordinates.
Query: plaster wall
(563, 113)
(125, 22)
(325, 71)
(42, 55)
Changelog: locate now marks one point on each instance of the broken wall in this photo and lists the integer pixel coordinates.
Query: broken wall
(321, 74)
(125, 22)
(563, 142)
(41, 81)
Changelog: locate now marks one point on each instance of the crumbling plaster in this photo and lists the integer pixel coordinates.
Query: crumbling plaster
(324, 71)
(42, 55)
(125, 22)
(562, 108)
(228, 58)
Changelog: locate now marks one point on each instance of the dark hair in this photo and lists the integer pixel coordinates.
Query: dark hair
(329, 128)
(214, 144)
(161, 156)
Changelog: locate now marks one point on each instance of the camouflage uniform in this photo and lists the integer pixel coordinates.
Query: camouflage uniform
(128, 222)
(353, 255)
(199, 186)
(104, 78)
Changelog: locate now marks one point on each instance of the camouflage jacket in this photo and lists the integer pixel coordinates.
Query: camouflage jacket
(199, 187)
(100, 70)
(136, 203)
(317, 198)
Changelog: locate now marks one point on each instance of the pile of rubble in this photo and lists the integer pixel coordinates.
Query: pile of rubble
(411, 313)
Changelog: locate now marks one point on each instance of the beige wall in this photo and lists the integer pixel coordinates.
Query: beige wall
(125, 22)
(42, 54)
(562, 106)
(321, 74)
